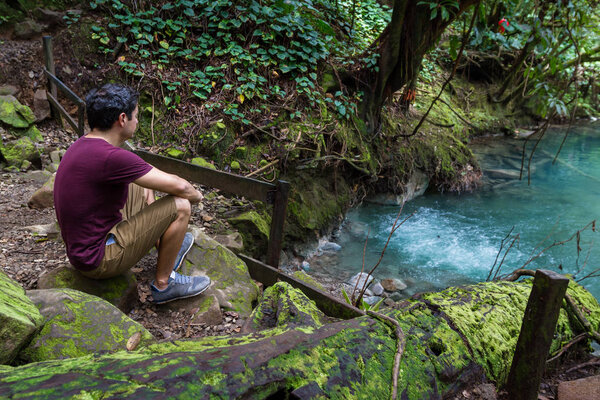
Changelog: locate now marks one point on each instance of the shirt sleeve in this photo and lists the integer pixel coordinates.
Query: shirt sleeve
(123, 166)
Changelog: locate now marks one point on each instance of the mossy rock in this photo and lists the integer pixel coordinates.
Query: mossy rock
(350, 359)
(283, 306)
(174, 153)
(19, 318)
(231, 282)
(15, 114)
(78, 324)
(119, 291)
(202, 163)
(255, 229)
(306, 278)
(17, 151)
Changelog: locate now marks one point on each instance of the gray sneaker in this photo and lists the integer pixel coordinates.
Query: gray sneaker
(186, 245)
(180, 287)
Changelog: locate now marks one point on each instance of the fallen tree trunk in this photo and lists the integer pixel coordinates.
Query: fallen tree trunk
(454, 337)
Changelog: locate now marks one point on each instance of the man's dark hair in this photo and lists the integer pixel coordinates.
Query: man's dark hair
(105, 104)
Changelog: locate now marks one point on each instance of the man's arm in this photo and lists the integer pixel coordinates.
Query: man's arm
(172, 184)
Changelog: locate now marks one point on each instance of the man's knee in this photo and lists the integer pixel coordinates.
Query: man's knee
(184, 207)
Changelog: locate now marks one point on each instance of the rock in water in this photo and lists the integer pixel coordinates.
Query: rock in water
(361, 277)
(377, 289)
(330, 246)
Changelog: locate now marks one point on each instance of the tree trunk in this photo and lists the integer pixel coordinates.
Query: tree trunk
(402, 46)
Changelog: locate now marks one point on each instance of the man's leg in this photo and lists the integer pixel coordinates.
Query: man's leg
(170, 243)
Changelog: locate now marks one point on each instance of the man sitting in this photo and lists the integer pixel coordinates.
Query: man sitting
(104, 201)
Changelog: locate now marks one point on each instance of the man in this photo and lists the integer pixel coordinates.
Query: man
(104, 201)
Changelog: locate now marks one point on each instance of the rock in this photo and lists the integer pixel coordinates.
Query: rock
(233, 241)
(51, 231)
(502, 174)
(19, 318)
(585, 388)
(202, 163)
(209, 311)
(282, 306)
(39, 176)
(25, 165)
(27, 29)
(14, 113)
(78, 324)
(235, 165)
(415, 187)
(329, 246)
(305, 265)
(255, 230)
(392, 285)
(231, 282)
(8, 90)
(523, 133)
(32, 133)
(16, 151)
(175, 153)
(44, 196)
(377, 289)
(304, 277)
(372, 300)
(119, 291)
(55, 156)
(41, 106)
(51, 18)
(485, 391)
(361, 277)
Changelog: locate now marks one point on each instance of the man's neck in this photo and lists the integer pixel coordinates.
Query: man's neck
(111, 136)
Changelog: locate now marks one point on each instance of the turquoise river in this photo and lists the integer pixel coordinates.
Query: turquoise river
(454, 239)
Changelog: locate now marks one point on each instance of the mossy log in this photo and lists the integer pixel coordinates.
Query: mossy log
(453, 337)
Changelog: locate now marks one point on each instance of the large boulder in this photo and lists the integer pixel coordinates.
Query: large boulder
(231, 282)
(19, 318)
(78, 324)
(255, 230)
(15, 114)
(119, 291)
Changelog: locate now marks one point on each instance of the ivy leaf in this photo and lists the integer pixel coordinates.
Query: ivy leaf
(164, 44)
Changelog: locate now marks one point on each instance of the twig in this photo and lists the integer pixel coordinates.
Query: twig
(576, 339)
(498, 254)
(590, 275)
(363, 266)
(591, 363)
(400, 343)
(517, 237)
(263, 168)
(516, 274)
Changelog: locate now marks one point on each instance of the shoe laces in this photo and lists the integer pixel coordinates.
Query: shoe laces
(180, 279)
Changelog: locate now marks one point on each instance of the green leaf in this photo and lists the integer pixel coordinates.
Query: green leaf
(164, 44)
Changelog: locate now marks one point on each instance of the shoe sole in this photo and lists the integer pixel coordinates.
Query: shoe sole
(183, 297)
(178, 266)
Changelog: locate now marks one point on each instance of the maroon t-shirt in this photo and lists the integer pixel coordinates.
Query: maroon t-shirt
(90, 189)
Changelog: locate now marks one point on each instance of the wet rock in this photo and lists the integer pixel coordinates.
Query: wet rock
(44, 196)
(78, 324)
(393, 284)
(19, 318)
(361, 277)
(502, 174)
(329, 246)
(119, 291)
(377, 289)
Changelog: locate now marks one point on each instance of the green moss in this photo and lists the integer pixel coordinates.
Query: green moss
(16, 151)
(255, 229)
(15, 114)
(304, 277)
(235, 165)
(202, 163)
(174, 153)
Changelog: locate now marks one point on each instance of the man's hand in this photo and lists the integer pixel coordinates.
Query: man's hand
(168, 183)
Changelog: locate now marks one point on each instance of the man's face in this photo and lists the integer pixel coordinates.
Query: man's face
(131, 124)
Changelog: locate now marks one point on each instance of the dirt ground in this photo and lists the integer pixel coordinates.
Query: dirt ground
(25, 257)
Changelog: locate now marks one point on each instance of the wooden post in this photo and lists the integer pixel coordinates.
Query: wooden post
(49, 62)
(537, 331)
(282, 189)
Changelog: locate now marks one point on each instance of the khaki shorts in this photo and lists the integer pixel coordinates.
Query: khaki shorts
(136, 234)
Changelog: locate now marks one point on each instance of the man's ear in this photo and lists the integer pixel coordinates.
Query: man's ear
(122, 119)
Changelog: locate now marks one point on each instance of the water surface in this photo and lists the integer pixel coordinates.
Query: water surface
(455, 239)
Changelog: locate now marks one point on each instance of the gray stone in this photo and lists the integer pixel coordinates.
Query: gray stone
(41, 106)
(415, 187)
(305, 266)
(78, 324)
(502, 174)
(393, 284)
(329, 246)
(27, 29)
(51, 18)
(19, 318)
(377, 289)
(209, 311)
(44, 196)
(361, 277)
(50, 231)
(8, 90)
(372, 300)
(120, 291)
(55, 156)
(233, 241)
(25, 165)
